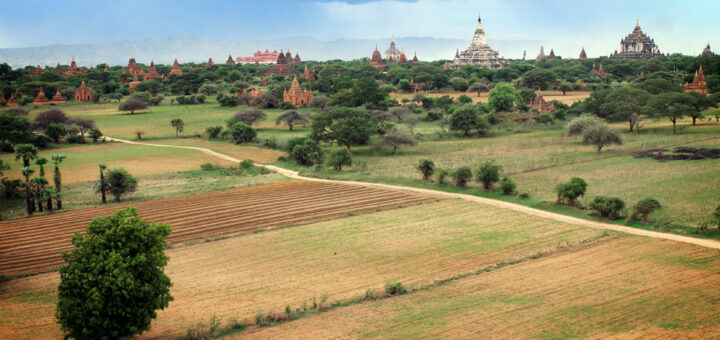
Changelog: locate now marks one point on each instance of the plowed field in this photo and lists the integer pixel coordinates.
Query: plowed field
(35, 244)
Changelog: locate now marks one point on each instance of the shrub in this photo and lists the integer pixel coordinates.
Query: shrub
(133, 104)
(716, 216)
(544, 119)
(271, 143)
(55, 131)
(76, 139)
(113, 281)
(610, 207)
(395, 288)
(119, 182)
(442, 176)
(227, 100)
(524, 195)
(213, 131)
(580, 124)
(340, 158)
(432, 116)
(307, 153)
(246, 164)
(248, 117)
(643, 208)
(242, 133)
(488, 173)
(45, 118)
(462, 175)
(570, 191)
(41, 141)
(427, 168)
(95, 134)
(507, 186)
(601, 135)
(207, 166)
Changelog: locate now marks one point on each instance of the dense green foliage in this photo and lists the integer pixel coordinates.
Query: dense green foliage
(488, 173)
(305, 151)
(120, 182)
(113, 281)
(610, 207)
(461, 176)
(340, 158)
(427, 168)
(570, 191)
(242, 133)
(643, 209)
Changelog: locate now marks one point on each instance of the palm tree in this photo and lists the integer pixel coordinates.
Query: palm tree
(178, 124)
(41, 163)
(27, 171)
(38, 184)
(102, 167)
(57, 178)
(291, 118)
(26, 152)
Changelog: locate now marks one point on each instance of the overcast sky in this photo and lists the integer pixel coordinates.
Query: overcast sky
(677, 26)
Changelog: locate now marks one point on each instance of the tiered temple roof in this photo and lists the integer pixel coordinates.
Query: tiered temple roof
(297, 60)
(59, 68)
(209, 63)
(583, 55)
(415, 61)
(41, 99)
(266, 57)
(58, 98)
(376, 60)
(36, 71)
(83, 94)
(296, 95)
(707, 52)
(13, 100)
(540, 104)
(73, 70)
(479, 53)
(283, 66)
(175, 70)
(637, 45)
(698, 84)
(551, 56)
(392, 54)
(230, 60)
(403, 58)
(597, 72)
(152, 72)
(310, 77)
(133, 67)
(134, 83)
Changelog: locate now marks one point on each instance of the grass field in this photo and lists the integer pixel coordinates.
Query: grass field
(625, 287)
(236, 278)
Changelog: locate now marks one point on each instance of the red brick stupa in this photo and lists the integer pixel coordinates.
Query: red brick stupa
(209, 63)
(41, 99)
(230, 60)
(151, 73)
(296, 95)
(698, 84)
(73, 70)
(58, 98)
(310, 77)
(134, 82)
(176, 71)
(133, 67)
(59, 68)
(13, 100)
(376, 60)
(415, 61)
(583, 55)
(540, 104)
(83, 94)
(297, 60)
(36, 71)
(403, 58)
(597, 72)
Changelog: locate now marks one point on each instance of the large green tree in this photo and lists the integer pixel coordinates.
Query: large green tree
(467, 119)
(671, 105)
(503, 97)
(113, 281)
(345, 126)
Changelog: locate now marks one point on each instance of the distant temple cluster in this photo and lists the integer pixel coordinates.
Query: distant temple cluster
(266, 57)
(284, 65)
(393, 56)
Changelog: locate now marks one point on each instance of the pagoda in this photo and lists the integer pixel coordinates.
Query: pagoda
(583, 56)
(175, 70)
(230, 60)
(540, 104)
(479, 53)
(59, 68)
(282, 66)
(41, 99)
(551, 56)
(83, 94)
(134, 83)
(446, 66)
(540, 55)
(414, 87)
(310, 77)
(13, 100)
(403, 58)
(297, 59)
(392, 54)
(58, 98)
(73, 70)
(151, 73)
(698, 84)
(106, 68)
(637, 45)
(707, 52)
(376, 60)
(133, 67)
(36, 71)
(209, 63)
(597, 72)
(123, 78)
(415, 61)
(296, 95)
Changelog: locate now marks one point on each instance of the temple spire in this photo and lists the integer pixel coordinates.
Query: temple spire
(637, 24)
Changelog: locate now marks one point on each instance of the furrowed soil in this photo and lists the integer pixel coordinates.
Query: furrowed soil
(622, 287)
(236, 278)
(34, 244)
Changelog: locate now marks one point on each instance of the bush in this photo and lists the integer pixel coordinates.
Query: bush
(287, 106)
(42, 141)
(227, 100)
(113, 281)
(610, 207)
(442, 176)
(432, 116)
(462, 175)
(395, 288)
(340, 158)
(570, 191)
(207, 166)
(643, 209)
(601, 135)
(271, 143)
(213, 131)
(488, 173)
(95, 134)
(427, 168)
(119, 182)
(507, 186)
(246, 164)
(242, 133)
(307, 153)
(580, 124)
(524, 195)
(76, 139)
(55, 131)
(716, 216)
(544, 119)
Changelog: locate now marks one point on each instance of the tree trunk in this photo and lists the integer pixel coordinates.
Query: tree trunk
(564, 92)
(102, 188)
(39, 203)
(694, 118)
(49, 204)
(290, 125)
(631, 124)
(673, 120)
(28, 199)
(394, 149)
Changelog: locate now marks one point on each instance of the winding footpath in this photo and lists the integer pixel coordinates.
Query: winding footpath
(496, 203)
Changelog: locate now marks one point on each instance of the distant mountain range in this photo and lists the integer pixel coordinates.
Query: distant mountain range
(163, 51)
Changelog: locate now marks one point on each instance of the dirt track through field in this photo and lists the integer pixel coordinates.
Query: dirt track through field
(35, 244)
(501, 204)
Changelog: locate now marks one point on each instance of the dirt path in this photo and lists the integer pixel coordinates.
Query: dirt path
(501, 204)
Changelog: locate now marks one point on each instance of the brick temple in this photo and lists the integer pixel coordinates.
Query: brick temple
(36, 71)
(296, 95)
(377, 60)
(133, 67)
(597, 72)
(637, 45)
(210, 63)
(583, 55)
(698, 84)
(230, 60)
(72, 70)
(58, 98)
(175, 70)
(41, 99)
(83, 94)
(310, 77)
(266, 57)
(13, 100)
(283, 66)
(540, 104)
(151, 73)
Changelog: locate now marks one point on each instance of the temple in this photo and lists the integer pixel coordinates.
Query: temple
(230, 60)
(58, 98)
(296, 95)
(266, 57)
(392, 54)
(210, 63)
(41, 99)
(151, 73)
(540, 104)
(637, 45)
(134, 83)
(13, 100)
(310, 77)
(175, 70)
(415, 61)
(698, 84)
(283, 66)
(59, 68)
(377, 61)
(583, 56)
(297, 60)
(403, 58)
(133, 67)
(540, 55)
(73, 70)
(597, 72)
(414, 87)
(479, 53)
(707, 52)
(36, 71)
(551, 56)
(83, 94)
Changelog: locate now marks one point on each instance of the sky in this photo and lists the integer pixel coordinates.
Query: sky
(566, 26)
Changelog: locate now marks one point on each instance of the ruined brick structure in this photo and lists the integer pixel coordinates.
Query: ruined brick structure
(41, 99)
(133, 67)
(13, 100)
(83, 94)
(551, 56)
(597, 72)
(540, 55)
(152, 72)
(310, 77)
(134, 83)
(403, 58)
(209, 63)
(637, 45)
(296, 95)
(540, 104)
(707, 52)
(72, 70)
(58, 98)
(698, 84)
(36, 71)
(283, 66)
(415, 61)
(230, 60)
